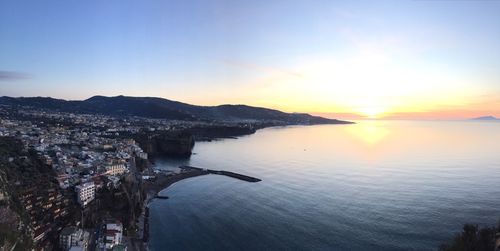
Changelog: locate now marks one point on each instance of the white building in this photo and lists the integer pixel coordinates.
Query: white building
(73, 239)
(2, 196)
(142, 155)
(116, 169)
(85, 193)
(114, 231)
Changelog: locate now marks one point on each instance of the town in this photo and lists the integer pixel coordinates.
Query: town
(79, 175)
(95, 198)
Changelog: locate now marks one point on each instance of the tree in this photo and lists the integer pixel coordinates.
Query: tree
(472, 238)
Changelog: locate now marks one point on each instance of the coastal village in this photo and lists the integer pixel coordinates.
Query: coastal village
(86, 180)
(89, 160)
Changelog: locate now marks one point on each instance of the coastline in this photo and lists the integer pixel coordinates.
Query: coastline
(218, 136)
(210, 138)
(163, 180)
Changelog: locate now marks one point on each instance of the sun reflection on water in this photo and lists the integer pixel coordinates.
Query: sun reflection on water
(369, 132)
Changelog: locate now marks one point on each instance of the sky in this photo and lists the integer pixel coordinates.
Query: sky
(420, 59)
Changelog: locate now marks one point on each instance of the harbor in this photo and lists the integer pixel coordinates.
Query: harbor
(162, 180)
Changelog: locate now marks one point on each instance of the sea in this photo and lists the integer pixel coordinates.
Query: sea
(373, 185)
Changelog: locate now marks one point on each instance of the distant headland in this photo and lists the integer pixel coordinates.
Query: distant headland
(490, 118)
(160, 108)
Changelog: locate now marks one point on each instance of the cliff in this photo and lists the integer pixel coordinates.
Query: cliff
(171, 143)
(202, 133)
(123, 203)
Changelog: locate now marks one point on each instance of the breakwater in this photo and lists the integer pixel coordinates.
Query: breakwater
(162, 180)
(225, 173)
(161, 197)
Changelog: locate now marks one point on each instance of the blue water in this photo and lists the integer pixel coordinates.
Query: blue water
(376, 185)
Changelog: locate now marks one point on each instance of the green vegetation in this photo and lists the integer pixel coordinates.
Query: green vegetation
(26, 180)
(9, 234)
(472, 238)
(11, 213)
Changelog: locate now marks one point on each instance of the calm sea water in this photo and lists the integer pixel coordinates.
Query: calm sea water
(376, 185)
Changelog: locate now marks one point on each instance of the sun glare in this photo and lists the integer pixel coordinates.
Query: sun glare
(371, 112)
(370, 83)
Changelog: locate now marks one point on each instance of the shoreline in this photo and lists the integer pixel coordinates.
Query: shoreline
(237, 136)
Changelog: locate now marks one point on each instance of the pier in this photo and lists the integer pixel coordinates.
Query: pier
(161, 197)
(162, 180)
(225, 173)
(235, 175)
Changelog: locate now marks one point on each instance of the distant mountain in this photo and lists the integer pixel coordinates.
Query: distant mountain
(486, 118)
(161, 108)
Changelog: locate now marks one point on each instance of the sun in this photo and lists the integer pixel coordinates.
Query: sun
(372, 112)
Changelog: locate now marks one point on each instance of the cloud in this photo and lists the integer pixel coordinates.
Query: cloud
(12, 76)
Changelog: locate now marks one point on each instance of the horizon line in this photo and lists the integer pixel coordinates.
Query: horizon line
(337, 115)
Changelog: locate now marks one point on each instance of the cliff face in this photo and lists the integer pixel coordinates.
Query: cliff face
(179, 145)
(201, 133)
(175, 144)
(123, 203)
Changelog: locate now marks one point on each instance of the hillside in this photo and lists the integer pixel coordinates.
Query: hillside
(160, 108)
(32, 206)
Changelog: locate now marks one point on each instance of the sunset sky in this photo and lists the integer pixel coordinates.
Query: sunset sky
(347, 59)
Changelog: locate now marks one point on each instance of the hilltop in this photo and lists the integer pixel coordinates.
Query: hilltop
(160, 108)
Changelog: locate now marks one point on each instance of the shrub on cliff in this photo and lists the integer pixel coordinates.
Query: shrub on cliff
(472, 238)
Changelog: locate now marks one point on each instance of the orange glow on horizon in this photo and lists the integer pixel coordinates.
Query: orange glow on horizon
(370, 83)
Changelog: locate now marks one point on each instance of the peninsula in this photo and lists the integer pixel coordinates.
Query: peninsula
(487, 118)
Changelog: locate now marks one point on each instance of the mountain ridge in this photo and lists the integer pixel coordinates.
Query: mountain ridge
(161, 108)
